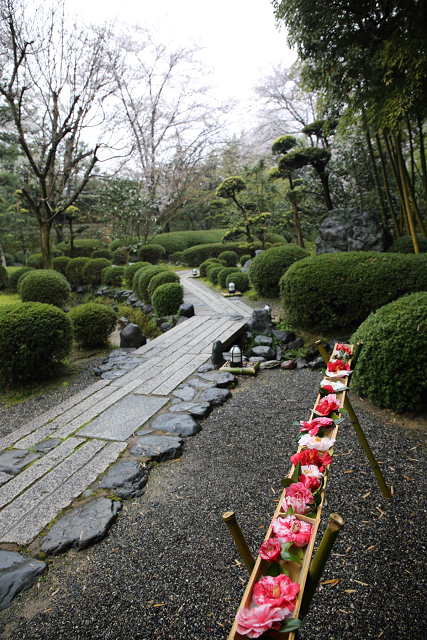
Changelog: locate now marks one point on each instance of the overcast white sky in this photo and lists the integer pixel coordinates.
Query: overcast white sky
(239, 37)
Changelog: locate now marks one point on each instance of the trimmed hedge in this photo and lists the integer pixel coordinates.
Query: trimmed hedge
(131, 270)
(112, 276)
(82, 248)
(4, 277)
(161, 278)
(92, 323)
(206, 264)
(245, 258)
(34, 339)
(15, 277)
(36, 260)
(336, 290)
(222, 275)
(391, 364)
(144, 281)
(230, 257)
(93, 269)
(181, 240)
(178, 256)
(241, 280)
(198, 254)
(102, 253)
(119, 256)
(213, 272)
(60, 264)
(405, 245)
(268, 267)
(74, 270)
(151, 253)
(46, 286)
(167, 299)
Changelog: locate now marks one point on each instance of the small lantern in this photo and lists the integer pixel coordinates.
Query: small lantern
(231, 288)
(268, 308)
(236, 357)
(195, 273)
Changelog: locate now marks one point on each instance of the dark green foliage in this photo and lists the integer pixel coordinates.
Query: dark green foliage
(92, 323)
(167, 299)
(198, 254)
(206, 264)
(159, 279)
(135, 282)
(74, 270)
(34, 338)
(241, 280)
(151, 253)
(45, 285)
(36, 260)
(93, 269)
(337, 290)
(112, 276)
(268, 267)
(9, 259)
(60, 264)
(144, 281)
(181, 240)
(230, 187)
(19, 257)
(82, 248)
(119, 256)
(230, 257)
(405, 245)
(283, 144)
(244, 258)
(4, 277)
(178, 256)
(102, 253)
(391, 366)
(16, 275)
(118, 244)
(212, 273)
(222, 275)
(131, 270)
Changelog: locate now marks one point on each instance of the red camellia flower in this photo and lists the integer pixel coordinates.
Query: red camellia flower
(344, 349)
(279, 592)
(311, 456)
(309, 482)
(270, 550)
(328, 405)
(290, 529)
(338, 365)
(328, 388)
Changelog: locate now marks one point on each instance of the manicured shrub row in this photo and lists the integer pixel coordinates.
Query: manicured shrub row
(36, 260)
(391, 366)
(92, 323)
(119, 256)
(241, 280)
(46, 286)
(405, 245)
(268, 267)
(178, 256)
(161, 278)
(208, 263)
(112, 276)
(229, 257)
(213, 272)
(245, 258)
(93, 269)
(102, 253)
(198, 254)
(144, 281)
(151, 253)
(337, 290)
(74, 270)
(15, 277)
(181, 240)
(222, 275)
(34, 339)
(167, 299)
(60, 264)
(82, 247)
(131, 270)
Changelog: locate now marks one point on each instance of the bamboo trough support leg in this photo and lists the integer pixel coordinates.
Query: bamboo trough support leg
(240, 541)
(319, 561)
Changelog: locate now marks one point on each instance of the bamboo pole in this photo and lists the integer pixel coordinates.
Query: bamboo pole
(239, 539)
(375, 175)
(406, 197)
(317, 567)
(394, 168)
(386, 185)
(422, 154)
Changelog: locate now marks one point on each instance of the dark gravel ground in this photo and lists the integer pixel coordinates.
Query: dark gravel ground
(170, 547)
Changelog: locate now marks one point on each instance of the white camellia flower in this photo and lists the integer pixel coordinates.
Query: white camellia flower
(336, 386)
(313, 442)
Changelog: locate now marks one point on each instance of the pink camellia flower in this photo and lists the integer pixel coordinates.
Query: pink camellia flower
(290, 529)
(254, 622)
(313, 426)
(279, 592)
(270, 550)
(328, 404)
(313, 442)
(338, 365)
(311, 483)
(298, 497)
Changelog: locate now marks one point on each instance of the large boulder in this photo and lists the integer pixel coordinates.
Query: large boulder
(351, 230)
(260, 322)
(132, 336)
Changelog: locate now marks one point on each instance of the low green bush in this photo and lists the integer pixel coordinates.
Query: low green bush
(206, 264)
(45, 285)
(159, 279)
(167, 299)
(268, 267)
(178, 256)
(9, 259)
(275, 238)
(181, 240)
(337, 290)
(102, 253)
(135, 283)
(131, 270)
(151, 253)
(212, 273)
(15, 277)
(144, 281)
(93, 269)
(230, 257)
(83, 247)
(405, 245)
(4, 277)
(391, 364)
(36, 260)
(74, 270)
(60, 264)
(34, 339)
(112, 276)
(222, 275)
(245, 258)
(119, 257)
(199, 253)
(241, 280)
(92, 323)
(19, 257)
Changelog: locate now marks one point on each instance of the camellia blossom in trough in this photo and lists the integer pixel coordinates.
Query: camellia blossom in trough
(311, 456)
(343, 348)
(338, 365)
(313, 426)
(335, 386)
(270, 550)
(290, 529)
(328, 405)
(298, 497)
(311, 477)
(314, 442)
(254, 622)
(279, 592)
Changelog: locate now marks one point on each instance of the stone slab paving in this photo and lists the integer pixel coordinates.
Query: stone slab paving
(93, 427)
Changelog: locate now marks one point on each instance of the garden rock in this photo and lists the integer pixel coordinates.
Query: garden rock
(279, 353)
(205, 367)
(283, 336)
(17, 573)
(187, 310)
(132, 336)
(295, 344)
(195, 409)
(199, 384)
(158, 447)
(263, 352)
(220, 378)
(317, 363)
(246, 266)
(123, 321)
(147, 308)
(180, 424)
(14, 460)
(301, 363)
(269, 364)
(256, 359)
(263, 341)
(165, 326)
(127, 478)
(186, 393)
(81, 527)
(215, 397)
(260, 322)
(217, 357)
(47, 445)
(181, 320)
(144, 432)
(351, 230)
(289, 364)
(112, 375)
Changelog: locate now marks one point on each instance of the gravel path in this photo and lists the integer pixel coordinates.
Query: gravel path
(168, 567)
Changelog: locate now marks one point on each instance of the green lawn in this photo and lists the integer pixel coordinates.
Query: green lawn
(9, 298)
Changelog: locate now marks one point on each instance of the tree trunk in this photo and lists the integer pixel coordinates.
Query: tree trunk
(406, 197)
(3, 259)
(326, 193)
(24, 246)
(298, 225)
(45, 227)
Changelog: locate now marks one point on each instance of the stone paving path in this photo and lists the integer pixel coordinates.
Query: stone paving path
(97, 425)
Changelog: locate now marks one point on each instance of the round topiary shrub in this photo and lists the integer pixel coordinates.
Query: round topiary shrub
(159, 279)
(245, 258)
(74, 270)
(390, 369)
(268, 267)
(119, 256)
(144, 281)
(92, 323)
(151, 253)
(34, 339)
(178, 256)
(93, 269)
(102, 253)
(203, 268)
(213, 272)
(15, 276)
(47, 286)
(222, 275)
(35, 261)
(83, 247)
(241, 280)
(112, 276)
(60, 264)
(405, 245)
(337, 290)
(131, 270)
(167, 299)
(4, 277)
(230, 257)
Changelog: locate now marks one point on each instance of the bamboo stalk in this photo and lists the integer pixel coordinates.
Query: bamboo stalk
(394, 168)
(386, 185)
(422, 154)
(376, 178)
(406, 197)
(239, 539)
